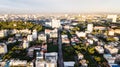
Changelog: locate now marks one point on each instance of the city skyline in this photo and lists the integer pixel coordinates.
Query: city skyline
(59, 6)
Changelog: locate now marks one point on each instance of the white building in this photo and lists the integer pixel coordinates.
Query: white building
(99, 49)
(45, 64)
(80, 56)
(90, 27)
(83, 62)
(90, 41)
(99, 28)
(3, 48)
(34, 34)
(25, 44)
(51, 64)
(74, 23)
(3, 33)
(48, 24)
(14, 31)
(29, 38)
(69, 64)
(65, 39)
(56, 23)
(40, 63)
(50, 60)
(52, 57)
(42, 37)
(39, 55)
(117, 31)
(67, 27)
(80, 34)
(95, 39)
(52, 33)
(113, 17)
(27, 31)
(24, 31)
(111, 49)
(109, 58)
(65, 22)
(47, 31)
(111, 32)
(18, 63)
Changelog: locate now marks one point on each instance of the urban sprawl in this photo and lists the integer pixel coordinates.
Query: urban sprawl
(60, 40)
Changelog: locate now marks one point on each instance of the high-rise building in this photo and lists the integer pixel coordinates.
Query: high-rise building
(55, 23)
(53, 33)
(25, 44)
(90, 27)
(112, 17)
(29, 38)
(34, 34)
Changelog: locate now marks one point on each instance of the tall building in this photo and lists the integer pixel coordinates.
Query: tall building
(112, 17)
(34, 34)
(46, 60)
(29, 38)
(3, 48)
(3, 33)
(90, 27)
(25, 44)
(56, 23)
(53, 33)
(52, 57)
(42, 37)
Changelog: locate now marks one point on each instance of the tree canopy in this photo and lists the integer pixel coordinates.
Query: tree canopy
(20, 25)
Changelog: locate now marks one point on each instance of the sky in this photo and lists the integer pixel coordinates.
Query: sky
(59, 6)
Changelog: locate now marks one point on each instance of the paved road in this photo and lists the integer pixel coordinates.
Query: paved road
(60, 56)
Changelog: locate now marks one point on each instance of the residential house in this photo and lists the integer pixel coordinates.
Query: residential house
(42, 37)
(111, 49)
(3, 48)
(69, 64)
(99, 49)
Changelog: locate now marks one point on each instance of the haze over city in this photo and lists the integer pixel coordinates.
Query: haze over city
(59, 6)
(59, 33)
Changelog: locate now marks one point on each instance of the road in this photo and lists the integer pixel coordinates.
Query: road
(60, 55)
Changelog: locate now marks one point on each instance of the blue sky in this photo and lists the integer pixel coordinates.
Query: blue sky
(59, 6)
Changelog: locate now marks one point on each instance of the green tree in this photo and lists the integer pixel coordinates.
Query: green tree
(91, 50)
(98, 59)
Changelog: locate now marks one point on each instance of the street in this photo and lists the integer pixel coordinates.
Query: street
(60, 55)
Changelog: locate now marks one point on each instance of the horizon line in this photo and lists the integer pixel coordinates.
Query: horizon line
(61, 13)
